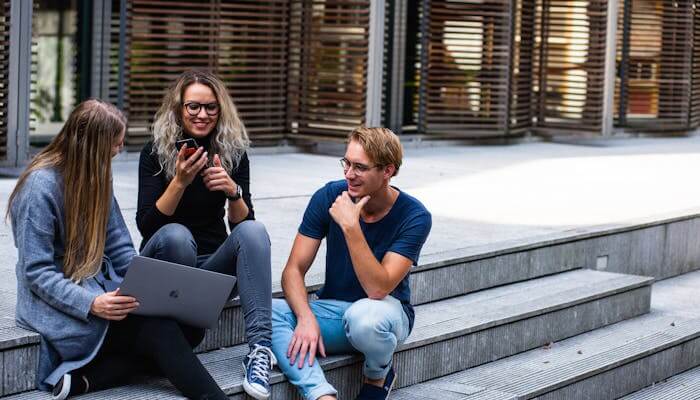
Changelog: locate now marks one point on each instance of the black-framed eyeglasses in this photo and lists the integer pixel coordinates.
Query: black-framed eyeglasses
(193, 108)
(357, 167)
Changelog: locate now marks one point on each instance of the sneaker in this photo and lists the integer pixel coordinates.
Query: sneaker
(371, 392)
(62, 388)
(257, 366)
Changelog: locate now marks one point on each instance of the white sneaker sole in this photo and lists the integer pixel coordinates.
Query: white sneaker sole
(65, 389)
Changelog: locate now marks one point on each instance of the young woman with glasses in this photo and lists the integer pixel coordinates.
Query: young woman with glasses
(184, 198)
(72, 239)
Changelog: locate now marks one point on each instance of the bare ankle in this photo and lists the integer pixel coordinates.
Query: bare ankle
(375, 382)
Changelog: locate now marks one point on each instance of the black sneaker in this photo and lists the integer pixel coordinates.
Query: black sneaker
(62, 388)
(371, 392)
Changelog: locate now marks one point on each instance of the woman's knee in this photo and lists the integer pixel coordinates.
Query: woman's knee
(251, 233)
(175, 234)
(176, 244)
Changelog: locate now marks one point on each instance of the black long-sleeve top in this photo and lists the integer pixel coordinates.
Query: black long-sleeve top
(200, 210)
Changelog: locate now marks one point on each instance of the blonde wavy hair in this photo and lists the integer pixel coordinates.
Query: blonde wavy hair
(82, 153)
(230, 139)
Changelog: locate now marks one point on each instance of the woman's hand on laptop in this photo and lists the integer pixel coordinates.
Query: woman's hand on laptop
(113, 306)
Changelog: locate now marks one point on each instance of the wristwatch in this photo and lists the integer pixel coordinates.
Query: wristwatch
(237, 195)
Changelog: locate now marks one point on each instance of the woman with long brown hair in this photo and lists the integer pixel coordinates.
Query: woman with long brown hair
(72, 240)
(186, 201)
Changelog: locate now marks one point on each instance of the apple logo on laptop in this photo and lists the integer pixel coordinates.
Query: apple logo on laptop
(174, 294)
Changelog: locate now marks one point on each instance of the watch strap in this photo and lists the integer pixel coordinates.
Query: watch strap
(237, 195)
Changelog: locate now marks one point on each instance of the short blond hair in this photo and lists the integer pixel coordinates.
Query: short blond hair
(382, 145)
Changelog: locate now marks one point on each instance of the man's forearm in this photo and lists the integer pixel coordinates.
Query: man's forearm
(295, 293)
(372, 275)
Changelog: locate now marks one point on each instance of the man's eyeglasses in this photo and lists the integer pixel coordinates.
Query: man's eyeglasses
(193, 108)
(359, 168)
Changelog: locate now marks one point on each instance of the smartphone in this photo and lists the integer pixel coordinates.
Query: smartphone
(191, 146)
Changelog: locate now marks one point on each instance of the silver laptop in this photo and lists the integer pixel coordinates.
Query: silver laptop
(189, 295)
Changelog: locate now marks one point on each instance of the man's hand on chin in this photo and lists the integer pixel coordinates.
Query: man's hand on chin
(345, 212)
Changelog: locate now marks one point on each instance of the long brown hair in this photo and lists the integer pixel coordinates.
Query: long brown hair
(81, 152)
(229, 139)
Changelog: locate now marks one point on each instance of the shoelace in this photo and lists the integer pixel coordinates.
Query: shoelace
(262, 361)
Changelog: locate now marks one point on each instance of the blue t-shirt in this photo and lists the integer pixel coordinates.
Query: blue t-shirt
(403, 231)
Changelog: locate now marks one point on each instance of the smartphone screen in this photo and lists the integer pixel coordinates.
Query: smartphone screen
(191, 146)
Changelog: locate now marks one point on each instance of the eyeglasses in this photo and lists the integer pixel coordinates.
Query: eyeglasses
(359, 168)
(193, 108)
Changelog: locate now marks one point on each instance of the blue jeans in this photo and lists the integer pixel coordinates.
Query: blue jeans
(371, 327)
(245, 254)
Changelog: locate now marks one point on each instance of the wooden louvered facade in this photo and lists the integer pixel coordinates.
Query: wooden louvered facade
(467, 78)
(694, 118)
(244, 42)
(522, 66)
(452, 68)
(657, 83)
(4, 77)
(570, 54)
(507, 67)
(328, 55)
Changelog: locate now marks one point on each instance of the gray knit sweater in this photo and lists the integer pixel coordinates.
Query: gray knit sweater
(47, 302)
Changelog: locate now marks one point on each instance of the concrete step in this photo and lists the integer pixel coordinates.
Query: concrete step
(603, 364)
(655, 248)
(685, 386)
(441, 276)
(458, 333)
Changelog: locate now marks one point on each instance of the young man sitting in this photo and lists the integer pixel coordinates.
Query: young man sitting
(374, 233)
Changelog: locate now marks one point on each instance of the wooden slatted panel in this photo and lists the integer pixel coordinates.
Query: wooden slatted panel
(165, 39)
(252, 60)
(695, 72)
(658, 71)
(243, 41)
(674, 66)
(521, 98)
(4, 75)
(570, 42)
(466, 86)
(328, 66)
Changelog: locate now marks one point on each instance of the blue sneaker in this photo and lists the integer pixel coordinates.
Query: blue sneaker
(371, 392)
(257, 365)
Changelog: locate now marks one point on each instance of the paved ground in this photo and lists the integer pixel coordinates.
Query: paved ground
(478, 195)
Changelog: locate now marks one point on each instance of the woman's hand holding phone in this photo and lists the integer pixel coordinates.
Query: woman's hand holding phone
(186, 168)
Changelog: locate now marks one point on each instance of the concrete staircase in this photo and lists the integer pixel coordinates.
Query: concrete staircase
(606, 363)
(510, 323)
(685, 386)
(496, 322)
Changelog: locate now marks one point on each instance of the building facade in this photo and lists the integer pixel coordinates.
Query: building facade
(314, 69)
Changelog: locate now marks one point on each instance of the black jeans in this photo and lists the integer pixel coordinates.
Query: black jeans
(138, 345)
